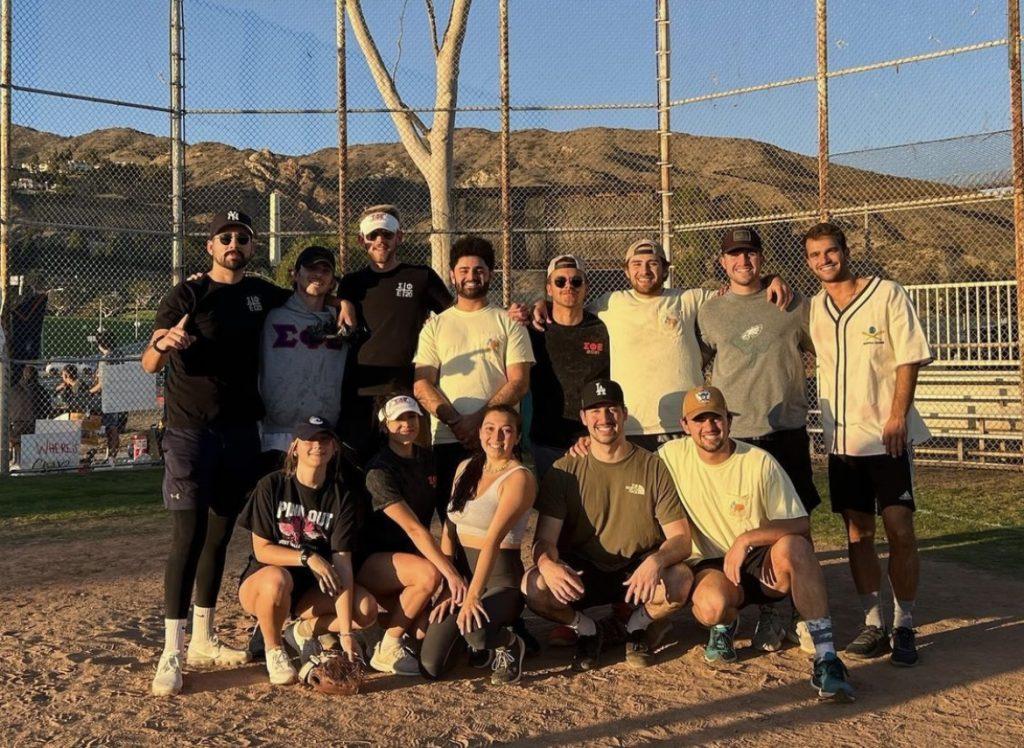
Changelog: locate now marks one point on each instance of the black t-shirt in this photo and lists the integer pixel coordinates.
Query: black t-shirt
(283, 511)
(567, 358)
(393, 306)
(215, 380)
(390, 479)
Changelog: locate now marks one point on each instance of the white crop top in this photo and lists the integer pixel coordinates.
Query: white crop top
(475, 518)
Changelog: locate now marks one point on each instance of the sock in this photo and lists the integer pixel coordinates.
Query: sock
(821, 633)
(174, 635)
(903, 613)
(583, 625)
(202, 624)
(872, 610)
(639, 620)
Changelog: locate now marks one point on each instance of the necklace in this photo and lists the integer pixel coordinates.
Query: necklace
(489, 469)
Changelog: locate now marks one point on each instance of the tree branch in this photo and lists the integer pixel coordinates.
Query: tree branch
(432, 16)
(447, 81)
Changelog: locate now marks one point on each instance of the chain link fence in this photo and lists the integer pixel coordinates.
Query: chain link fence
(917, 150)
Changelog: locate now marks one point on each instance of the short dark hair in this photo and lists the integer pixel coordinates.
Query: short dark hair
(472, 246)
(826, 230)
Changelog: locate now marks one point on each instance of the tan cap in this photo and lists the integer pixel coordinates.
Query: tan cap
(645, 247)
(704, 400)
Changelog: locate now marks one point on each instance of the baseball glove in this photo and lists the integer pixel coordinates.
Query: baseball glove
(334, 673)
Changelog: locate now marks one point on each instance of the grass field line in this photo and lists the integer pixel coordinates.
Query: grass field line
(967, 520)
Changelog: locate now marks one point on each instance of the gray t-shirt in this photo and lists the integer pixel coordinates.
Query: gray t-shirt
(757, 360)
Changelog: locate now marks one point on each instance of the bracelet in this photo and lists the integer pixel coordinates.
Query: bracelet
(157, 348)
(349, 634)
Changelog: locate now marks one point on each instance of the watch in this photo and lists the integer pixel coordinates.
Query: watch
(304, 557)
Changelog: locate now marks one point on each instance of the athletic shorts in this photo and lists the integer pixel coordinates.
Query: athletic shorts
(791, 448)
(750, 576)
(303, 580)
(600, 587)
(653, 442)
(210, 467)
(870, 483)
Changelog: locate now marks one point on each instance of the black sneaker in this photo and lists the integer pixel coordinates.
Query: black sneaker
(481, 658)
(829, 677)
(870, 642)
(904, 649)
(529, 640)
(588, 651)
(508, 662)
(641, 645)
(255, 647)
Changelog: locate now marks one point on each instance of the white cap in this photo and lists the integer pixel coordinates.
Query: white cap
(378, 220)
(396, 406)
(564, 261)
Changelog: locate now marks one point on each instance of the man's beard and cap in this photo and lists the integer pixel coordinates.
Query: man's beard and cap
(703, 400)
(603, 392)
(647, 248)
(221, 222)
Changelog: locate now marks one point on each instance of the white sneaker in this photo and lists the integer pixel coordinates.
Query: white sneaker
(798, 633)
(391, 656)
(279, 667)
(214, 652)
(770, 632)
(167, 680)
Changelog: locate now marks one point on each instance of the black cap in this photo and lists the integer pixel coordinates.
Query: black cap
(312, 427)
(742, 238)
(601, 392)
(227, 218)
(314, 254)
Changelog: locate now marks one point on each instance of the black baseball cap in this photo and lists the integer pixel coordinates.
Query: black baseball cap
(601, 392)
(314, 254)
(229, 218)
(741, 238)
(312, 427)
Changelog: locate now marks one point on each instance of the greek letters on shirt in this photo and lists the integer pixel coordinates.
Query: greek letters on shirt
(289, 336)
(299, 526)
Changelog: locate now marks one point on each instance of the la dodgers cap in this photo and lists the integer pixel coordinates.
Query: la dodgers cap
(564, 261)
(228, 218)
(645, 247)
(702, 400)
(601, 392)
(397, 406)
(378, 220)
(314, 254)
(312, 427)
(740, 238)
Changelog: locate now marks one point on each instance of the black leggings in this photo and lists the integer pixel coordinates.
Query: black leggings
(503, 602)
(199, 546)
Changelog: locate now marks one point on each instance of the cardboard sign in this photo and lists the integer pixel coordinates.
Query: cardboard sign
(49, 451)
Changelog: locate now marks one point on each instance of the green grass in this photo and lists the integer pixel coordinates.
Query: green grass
(35, 499)
(67, 336)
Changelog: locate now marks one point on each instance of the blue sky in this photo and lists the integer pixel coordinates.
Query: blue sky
(260, 54)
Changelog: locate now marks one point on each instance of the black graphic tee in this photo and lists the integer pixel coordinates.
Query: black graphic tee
(390, 479)
(567, 358)
(393, 306)
(215, 380)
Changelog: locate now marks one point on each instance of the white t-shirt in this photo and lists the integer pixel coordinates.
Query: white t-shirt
(858, 350)
(471, 351)
(655, 355)
(744, 493)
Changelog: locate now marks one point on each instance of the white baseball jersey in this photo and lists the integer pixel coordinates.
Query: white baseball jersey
(858, 349)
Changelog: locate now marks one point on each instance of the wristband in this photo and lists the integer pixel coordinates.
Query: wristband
(157, 348)
(304, 558)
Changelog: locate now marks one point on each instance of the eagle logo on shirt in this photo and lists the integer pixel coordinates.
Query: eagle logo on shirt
(873, 336)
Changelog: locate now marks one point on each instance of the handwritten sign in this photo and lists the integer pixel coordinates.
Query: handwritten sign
(48, 451)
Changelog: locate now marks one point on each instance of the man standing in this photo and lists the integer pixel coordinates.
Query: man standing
(301, 361)
(870, 346)
(114, 424)
(758, 364)
(570, 352)
(393, 299)
(611, 529)
(469, 356)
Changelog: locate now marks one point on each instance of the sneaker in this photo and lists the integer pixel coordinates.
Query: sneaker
(391, 656)
(279, 667)
(167, 680)
(588, 651)
(481, 658)
(298, 645)
(720, 647)
(641, 645)
(770, 632)
(256, 647)
(508, 662)
(214, 652)
(829, 677)
(562, 636)
(798, 633)
(529, 640)
(904, 649)
(870, 642)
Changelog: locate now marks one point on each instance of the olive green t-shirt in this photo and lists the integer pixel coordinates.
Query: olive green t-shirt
(612, 512)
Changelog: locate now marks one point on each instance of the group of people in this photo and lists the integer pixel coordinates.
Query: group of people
(654, 488)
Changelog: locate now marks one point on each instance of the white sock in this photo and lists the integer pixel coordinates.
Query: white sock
(821, 633)
(872, 610)
(583, 625)
(202, 624)
(903, 613)
(640, 619)
(174, 635)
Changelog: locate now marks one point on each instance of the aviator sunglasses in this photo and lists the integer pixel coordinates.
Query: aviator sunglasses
(240, 239)
(576, 281)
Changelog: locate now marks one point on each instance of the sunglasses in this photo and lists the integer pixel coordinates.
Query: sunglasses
(576, 281)
(240, 239)
(387, 235)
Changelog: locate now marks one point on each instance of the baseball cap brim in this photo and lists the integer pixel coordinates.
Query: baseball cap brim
(308, 431)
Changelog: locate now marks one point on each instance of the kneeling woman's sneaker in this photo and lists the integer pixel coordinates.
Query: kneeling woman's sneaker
(829, 677)
(508, 662)
(279, 667)
(391, 656)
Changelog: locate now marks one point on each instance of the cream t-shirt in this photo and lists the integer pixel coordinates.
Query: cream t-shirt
(744, 493)
(655, 355)
(471, 351)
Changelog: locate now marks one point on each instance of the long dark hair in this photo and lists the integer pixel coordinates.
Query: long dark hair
(465, 486)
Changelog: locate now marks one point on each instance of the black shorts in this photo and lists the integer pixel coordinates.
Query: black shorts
(653, 442)
(791, 448)
(210, 467)
(600, 587)
(303, 580)
(870, 483)
(750, 576)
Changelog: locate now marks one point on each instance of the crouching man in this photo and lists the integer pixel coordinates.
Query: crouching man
(748, 530)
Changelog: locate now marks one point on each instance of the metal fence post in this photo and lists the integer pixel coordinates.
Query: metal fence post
(5, 223)
(177, 143)
(1017, 137)
(664, 129)
(339, 39)
(821, 32)
(505, 175)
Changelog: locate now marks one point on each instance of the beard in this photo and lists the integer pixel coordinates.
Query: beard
(237, 261)
(711, 443)
(474, 293)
